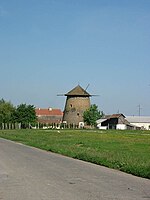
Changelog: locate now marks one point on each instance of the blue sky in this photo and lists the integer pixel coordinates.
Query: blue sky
(47, 47)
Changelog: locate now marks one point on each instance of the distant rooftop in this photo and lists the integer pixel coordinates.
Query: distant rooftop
(112, 116)
(138, 119)
(48, 112)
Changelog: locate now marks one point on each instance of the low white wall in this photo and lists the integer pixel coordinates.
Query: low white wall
(101, 127)
(142, 125)
(121, 127)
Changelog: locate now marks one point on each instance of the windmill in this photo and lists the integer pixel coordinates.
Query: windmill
(77, 101)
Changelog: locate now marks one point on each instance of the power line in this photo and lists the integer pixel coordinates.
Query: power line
(139, 106)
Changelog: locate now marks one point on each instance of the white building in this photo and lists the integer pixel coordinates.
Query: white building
(140, 121)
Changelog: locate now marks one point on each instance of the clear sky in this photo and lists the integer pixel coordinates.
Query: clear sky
(47, 47)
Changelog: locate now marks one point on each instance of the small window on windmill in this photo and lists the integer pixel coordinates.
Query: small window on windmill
(71, 105)
(78, 113)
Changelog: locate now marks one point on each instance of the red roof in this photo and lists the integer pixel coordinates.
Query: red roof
(48, 112)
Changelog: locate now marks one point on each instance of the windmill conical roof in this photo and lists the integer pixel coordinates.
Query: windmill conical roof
(78, 91)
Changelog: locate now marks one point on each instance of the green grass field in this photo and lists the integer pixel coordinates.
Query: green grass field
(128, 151)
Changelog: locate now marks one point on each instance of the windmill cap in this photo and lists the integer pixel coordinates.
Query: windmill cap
(78, 91)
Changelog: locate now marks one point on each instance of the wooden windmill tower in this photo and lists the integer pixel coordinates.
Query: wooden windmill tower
(78, 100)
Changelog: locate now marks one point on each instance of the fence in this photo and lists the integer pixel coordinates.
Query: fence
(7, 126)
(10, 126)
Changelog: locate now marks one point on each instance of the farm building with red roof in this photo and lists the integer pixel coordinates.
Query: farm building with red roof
(49, 115)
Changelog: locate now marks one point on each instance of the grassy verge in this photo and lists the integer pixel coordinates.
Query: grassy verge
(128, 151)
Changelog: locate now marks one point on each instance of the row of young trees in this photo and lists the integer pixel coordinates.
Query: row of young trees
(23, 114)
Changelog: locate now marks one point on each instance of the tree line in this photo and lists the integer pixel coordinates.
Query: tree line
(23, 114)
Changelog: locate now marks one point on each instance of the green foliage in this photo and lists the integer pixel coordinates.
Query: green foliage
(92, 114)
(6, 111)
(25, 114)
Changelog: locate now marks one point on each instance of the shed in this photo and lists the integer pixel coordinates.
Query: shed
(114, 121)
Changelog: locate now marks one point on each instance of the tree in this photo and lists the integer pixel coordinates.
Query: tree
(92, 114)
(6, 111)
(25, 114)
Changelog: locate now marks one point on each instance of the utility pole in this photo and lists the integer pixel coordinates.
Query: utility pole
(139, 106)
